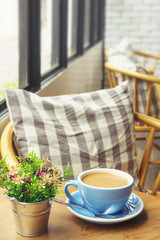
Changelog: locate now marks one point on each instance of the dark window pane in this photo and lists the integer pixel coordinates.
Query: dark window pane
(72, 27)
(23, 44)
(87, 23)
(95, 12)
(50, 27)
(55, 58)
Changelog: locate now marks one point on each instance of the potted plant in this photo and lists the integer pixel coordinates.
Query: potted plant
(31, 186)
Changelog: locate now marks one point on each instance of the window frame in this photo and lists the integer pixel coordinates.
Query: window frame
(31, 32)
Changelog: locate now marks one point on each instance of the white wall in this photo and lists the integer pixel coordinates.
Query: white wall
(139, 20)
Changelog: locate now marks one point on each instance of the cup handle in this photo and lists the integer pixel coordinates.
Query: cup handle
(70, 197)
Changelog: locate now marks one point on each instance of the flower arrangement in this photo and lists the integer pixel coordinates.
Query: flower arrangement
(31, 180)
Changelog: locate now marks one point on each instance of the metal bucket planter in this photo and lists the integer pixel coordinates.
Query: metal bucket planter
(31, 219)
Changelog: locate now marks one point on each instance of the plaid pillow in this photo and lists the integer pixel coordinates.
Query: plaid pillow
(89, 130)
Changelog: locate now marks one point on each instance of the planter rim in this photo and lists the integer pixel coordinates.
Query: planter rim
(27, 203)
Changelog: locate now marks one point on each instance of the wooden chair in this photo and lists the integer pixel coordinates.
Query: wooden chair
(145, 58)
(8, 148)
(154, 124)
(156, 187)
(112, 72)
(124, 74)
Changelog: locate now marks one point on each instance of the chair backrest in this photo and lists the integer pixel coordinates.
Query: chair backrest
(146, 58)
(141, 87)
(8, 148)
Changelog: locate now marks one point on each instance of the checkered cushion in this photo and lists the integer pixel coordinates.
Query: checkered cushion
(89, 130)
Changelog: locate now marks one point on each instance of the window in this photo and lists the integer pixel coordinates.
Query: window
(39, 37)
(9, 68)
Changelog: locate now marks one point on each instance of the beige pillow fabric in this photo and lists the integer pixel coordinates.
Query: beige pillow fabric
(123, 56)
(88, 130)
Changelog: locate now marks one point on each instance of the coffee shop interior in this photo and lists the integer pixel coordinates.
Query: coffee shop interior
(80, 83)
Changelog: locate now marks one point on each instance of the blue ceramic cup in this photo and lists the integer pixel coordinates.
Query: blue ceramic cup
(101, 200)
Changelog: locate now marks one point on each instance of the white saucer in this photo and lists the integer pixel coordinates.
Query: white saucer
(133, 207)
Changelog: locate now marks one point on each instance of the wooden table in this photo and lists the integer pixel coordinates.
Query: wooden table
(65, 226)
